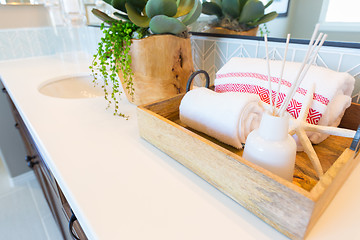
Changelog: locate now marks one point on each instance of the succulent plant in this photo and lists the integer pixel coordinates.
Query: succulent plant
(161, 16)
(238, 15)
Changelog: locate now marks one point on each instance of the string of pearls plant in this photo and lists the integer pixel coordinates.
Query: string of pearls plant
(113, 55)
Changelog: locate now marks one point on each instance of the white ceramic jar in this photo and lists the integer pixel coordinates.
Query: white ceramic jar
(271, 147)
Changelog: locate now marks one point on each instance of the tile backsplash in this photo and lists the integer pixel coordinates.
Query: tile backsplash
(33, 42)
(209, 53)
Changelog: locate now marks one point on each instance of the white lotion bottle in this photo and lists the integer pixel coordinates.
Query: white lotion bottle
(271, 147)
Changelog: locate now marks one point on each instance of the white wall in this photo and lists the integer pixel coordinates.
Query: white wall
(302, 17)
(24, 16)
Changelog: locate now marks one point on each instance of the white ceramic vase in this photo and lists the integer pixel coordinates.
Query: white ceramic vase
(271, 147)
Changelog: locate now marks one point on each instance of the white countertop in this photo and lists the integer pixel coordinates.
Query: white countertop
(121, 187)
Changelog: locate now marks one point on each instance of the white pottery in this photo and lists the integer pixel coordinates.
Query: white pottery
(271, 147)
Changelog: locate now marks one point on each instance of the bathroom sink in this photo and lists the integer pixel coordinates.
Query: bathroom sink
(76, 86)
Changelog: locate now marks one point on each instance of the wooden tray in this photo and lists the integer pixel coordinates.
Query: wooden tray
(291, 208)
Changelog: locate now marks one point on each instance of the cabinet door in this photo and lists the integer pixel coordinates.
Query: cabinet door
(52, 199)
(58, 205)
(76, 228)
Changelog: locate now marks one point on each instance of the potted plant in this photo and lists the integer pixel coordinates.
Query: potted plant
(241, 17)
(147, 46)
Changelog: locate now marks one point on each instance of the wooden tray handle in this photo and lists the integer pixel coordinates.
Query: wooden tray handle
(193, 75)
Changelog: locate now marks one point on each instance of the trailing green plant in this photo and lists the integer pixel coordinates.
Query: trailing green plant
(113, 55)
(263, 30)
(135, 19)
(238, 15)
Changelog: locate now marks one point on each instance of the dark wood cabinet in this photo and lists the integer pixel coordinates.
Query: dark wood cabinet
(56, 200)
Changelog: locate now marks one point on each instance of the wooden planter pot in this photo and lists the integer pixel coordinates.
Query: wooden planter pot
(251, 32)
(161, 65)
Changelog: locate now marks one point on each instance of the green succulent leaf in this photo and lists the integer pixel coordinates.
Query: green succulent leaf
(194, 14)
(160, 7)
(138, 4)
(121, 16)
(252, 10)
(268, 4)
(119, 5)
(184, 7)
(218, 2)
(103, 16)
(231, 8)
(211, 8)
(164, 24)
(108, 2)
(242, 4)
(266, 18)
(136, 17)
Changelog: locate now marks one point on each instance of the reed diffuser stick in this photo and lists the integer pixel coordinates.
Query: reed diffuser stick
(296, 84)
(299, 77)
(276, 113)
(268, 68)
(287, 99)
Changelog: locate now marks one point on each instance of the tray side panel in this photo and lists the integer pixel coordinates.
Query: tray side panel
(351, 118)
(284, 209)
(326, 189)
(168, 108)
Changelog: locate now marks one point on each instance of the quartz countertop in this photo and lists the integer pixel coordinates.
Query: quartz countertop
(120, 186)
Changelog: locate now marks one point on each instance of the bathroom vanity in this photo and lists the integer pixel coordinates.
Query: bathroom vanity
(55, 198)
(118, 185)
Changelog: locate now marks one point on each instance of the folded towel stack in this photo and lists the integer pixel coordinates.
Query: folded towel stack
(228, 117)
(332, 89)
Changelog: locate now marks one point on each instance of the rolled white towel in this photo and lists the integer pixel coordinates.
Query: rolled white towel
(228, 117)
(332, 89)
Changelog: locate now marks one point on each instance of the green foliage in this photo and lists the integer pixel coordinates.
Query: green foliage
(184, 7)
(251, 11)
(141, 13)
(211, 8)
(113, 55)
(161, 7)
(164, 24)
(194, 13)
(134, 19)
(263, 30)
(238, 15)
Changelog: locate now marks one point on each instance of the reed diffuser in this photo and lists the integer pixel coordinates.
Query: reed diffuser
(271, 146)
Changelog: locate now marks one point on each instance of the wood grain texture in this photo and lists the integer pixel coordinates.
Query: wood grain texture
(286, 206)
(251, 32)
(351, 118)
(161, 65)
(326, 189)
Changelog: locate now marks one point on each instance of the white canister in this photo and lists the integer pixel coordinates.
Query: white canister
(271, 147)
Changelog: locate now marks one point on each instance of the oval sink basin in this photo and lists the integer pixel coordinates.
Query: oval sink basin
(80, 86)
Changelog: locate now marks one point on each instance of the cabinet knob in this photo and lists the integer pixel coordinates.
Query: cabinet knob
(29, 158)
(71, 223)
(4, 90)
(16, 125)
(31, 164)
(31, 161)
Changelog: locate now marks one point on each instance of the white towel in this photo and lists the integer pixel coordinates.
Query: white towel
(332, 89)
(228, 117)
